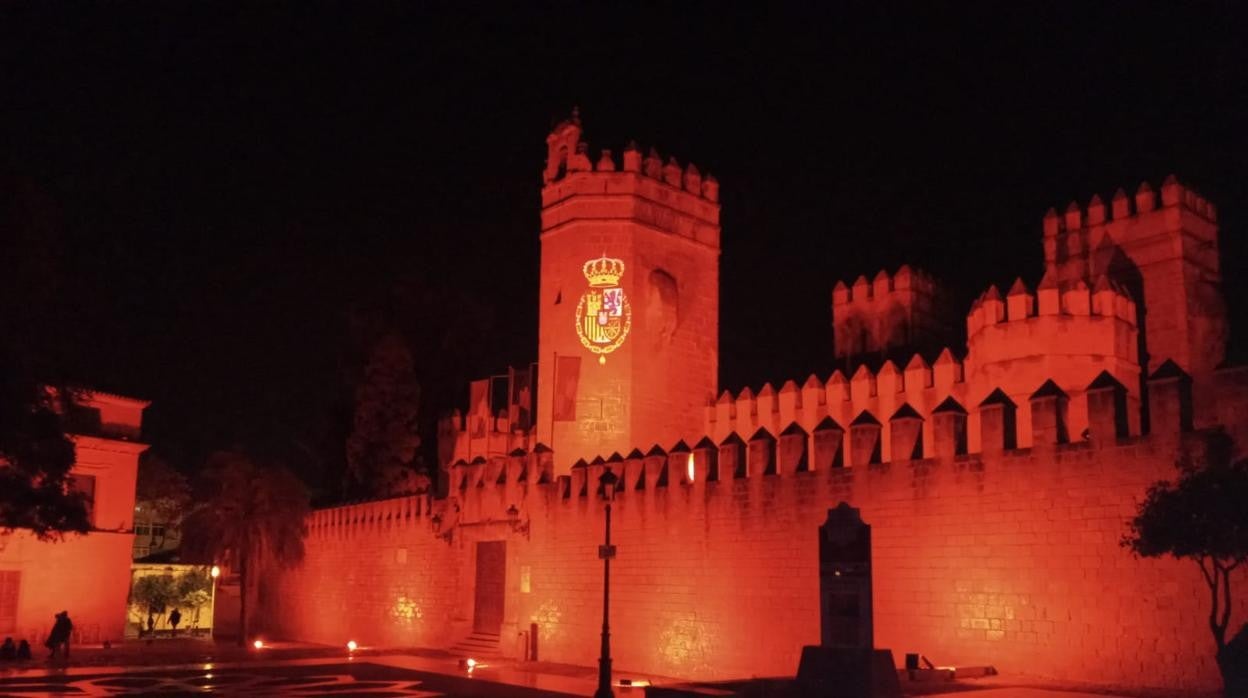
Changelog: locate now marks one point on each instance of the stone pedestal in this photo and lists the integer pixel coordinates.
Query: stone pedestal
(847, 672)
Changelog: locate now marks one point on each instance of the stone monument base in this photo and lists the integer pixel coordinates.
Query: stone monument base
(848, 672)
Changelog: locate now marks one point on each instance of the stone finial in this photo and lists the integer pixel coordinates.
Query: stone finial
(632, 157)
(918, 373)
(1048, 297)
(1096, 210)
(579, 162)
(710, 188)
(1074, 217)
(1019, 301)
(672, 172)
(693, 180)
(1171, 191)
(882, 284)
(903, 278)
(840, 293)
(1051, 223)
(946, 370)
(653, 165)
(861, 289)
(1121, 205)
(605, 162)
(1145, 200)
(1076, 300)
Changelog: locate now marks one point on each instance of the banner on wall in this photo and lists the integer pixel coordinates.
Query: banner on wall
(478, 407)
(520, 409)
(567, 378)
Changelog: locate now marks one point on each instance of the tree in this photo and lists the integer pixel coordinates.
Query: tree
(194, 591)
(162, 489)
(1203, 517)
(35, 462)
(154, 593)
(249, 516)
(384, 444)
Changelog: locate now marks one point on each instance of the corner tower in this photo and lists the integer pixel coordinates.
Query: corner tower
(628, 336)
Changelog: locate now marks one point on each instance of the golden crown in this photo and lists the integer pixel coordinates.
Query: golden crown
(604, 271)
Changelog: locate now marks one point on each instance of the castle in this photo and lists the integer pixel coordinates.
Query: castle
(998, 476)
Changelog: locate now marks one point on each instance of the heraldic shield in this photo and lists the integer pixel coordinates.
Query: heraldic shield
(603, 315)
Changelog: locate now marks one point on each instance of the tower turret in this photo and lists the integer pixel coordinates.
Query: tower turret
(1165, 253)
(629, 306)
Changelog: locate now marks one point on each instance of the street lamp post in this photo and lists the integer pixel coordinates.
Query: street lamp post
(212, 602)
(608, 481)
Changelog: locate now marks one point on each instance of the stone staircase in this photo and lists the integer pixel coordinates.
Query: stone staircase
(478, 645)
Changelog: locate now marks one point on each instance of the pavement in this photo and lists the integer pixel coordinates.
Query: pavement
(182, 667)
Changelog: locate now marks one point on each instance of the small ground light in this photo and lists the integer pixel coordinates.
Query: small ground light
(258, 644)
(351, 646)
(471, 663)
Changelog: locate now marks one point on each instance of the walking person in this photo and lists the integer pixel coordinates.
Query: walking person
(61, 631)
(175, 617)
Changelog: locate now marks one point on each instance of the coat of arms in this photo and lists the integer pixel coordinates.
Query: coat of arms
(603, 316)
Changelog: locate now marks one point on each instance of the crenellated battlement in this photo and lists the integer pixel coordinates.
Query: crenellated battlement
(884, 283)
(568, 154)
(1174, 195)
(907, 309)
(842, 399)
(1070, 302)
(660, 193)
(817, 427)
(367, 517)
(481, 435)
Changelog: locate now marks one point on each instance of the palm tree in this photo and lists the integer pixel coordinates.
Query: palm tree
(250, 514)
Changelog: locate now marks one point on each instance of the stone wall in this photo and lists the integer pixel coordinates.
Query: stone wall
(1011, 559)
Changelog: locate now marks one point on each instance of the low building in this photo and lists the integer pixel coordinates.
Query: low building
(87, 575)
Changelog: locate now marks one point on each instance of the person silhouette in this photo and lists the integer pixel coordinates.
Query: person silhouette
(23, 651)
(59, 637)
(8, 651)
(175, 617)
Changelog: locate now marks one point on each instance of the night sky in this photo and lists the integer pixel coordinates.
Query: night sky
(227, 185)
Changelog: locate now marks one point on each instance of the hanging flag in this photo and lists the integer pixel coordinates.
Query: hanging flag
(500, 395)
(567, 376)
(521, 405)
(478, 407)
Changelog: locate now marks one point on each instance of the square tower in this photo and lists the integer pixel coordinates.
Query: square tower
(628, 336)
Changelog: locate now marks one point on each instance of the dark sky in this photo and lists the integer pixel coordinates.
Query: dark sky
(227, 181)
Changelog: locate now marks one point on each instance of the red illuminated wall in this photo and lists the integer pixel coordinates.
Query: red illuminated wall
(1009, 559)
(374, 573)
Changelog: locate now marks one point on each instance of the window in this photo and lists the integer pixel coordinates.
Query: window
(10, 583)
(142, 530)
(85, 485)
(158, 531)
